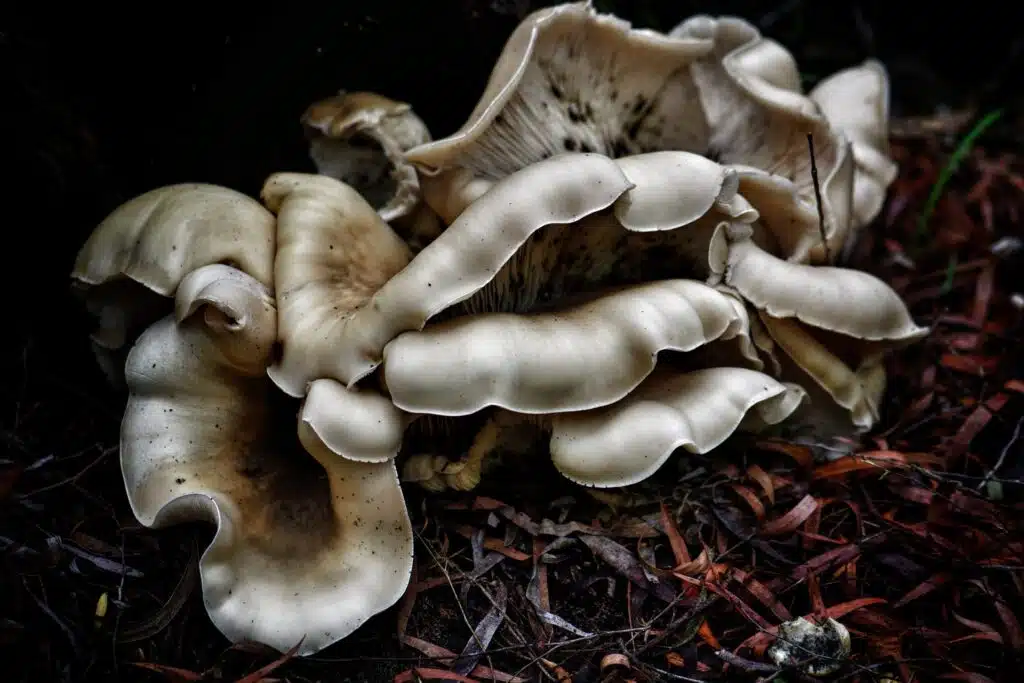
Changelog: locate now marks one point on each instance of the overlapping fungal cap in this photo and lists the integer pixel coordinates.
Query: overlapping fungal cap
(360, 138)
(333, 253)
(626, 442)
(308, 544)
(135, 259)
(572, 79)
(575, 358)
(834, 324)
(759, 117)
(568, 80)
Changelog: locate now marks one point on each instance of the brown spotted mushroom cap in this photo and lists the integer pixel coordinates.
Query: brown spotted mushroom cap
(308, 545)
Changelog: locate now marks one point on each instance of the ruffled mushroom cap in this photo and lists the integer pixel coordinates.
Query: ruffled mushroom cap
(360, 138)
(834, 323)
(545, 233)
(139, 254)
(469, 254)
(759, 117)
(308, 545)
(357, 424)
(628, 441)
(334, 253)
(856, 102)
(568, 80)
(572, 359)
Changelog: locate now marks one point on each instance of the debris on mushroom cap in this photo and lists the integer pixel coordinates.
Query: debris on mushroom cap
(334, 252)
(572, 80)
(855, 101)
(360, 138)
(472, 250)
(139, 253)
(696, 411)
(759, 117)
(308, 545)
(817, 649)
(571, 359)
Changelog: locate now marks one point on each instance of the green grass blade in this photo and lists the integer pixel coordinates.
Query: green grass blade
(961, 151)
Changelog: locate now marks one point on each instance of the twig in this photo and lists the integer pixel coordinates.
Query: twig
(1002, 456)
(817, 197)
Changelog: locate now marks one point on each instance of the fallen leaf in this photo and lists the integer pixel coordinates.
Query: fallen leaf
(791, 521)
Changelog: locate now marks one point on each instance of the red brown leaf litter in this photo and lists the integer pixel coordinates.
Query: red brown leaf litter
(914, 543)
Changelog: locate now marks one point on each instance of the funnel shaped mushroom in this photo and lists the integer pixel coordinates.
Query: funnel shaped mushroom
(308, 545)
(334, 253)
(139, 254)
(568, 80)
(360, 138)
(834, 323)
(629, 441)
(572, 359)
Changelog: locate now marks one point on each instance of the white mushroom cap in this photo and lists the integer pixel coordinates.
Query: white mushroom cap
(630, 440)
(140, 252)
(834, 323)
(571, 359)
(161, 236)
(334, 253)
(856, 102)
(306, 548)
(357, 424)
(759, 117)
(472, 250)
(360, 138)
(572, 80)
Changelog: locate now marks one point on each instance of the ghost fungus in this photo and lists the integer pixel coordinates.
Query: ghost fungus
(360, 138)
(134, 260)
(308, 545)
(334, 253)
(835, 324)
(568, 80)
(759, 117)
(571, 359)
(628, 441)
(472, 250)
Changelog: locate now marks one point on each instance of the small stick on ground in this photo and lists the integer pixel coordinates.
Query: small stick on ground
(817, 197)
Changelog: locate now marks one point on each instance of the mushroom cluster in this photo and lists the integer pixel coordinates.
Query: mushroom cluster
(624, 250)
